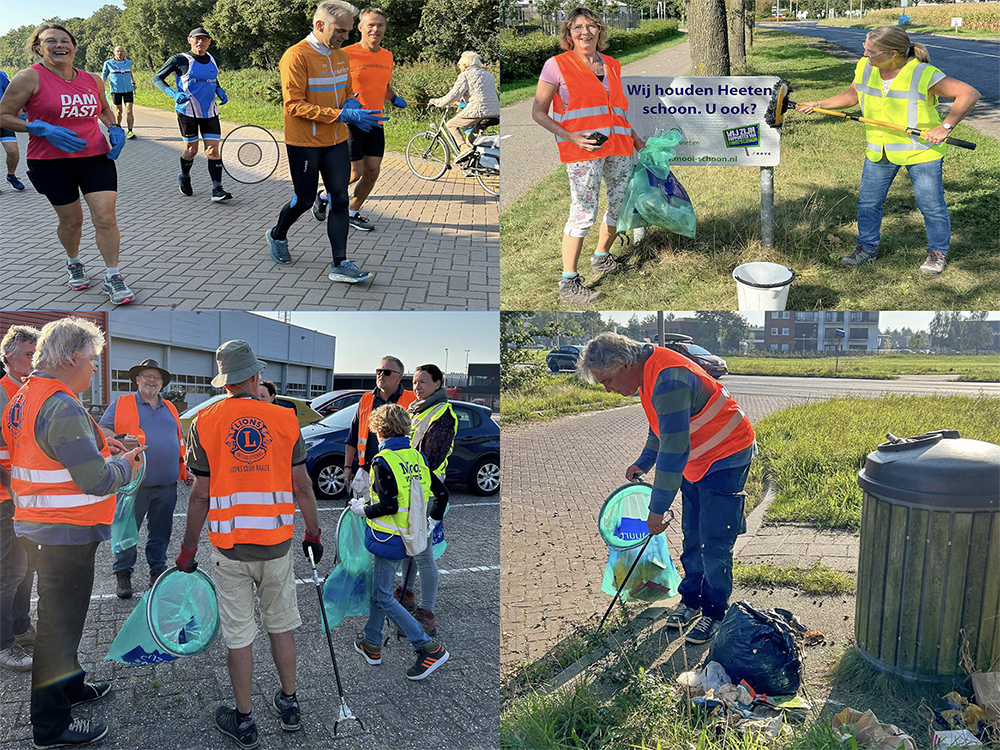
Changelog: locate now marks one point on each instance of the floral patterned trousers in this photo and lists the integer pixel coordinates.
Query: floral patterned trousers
(585, 189)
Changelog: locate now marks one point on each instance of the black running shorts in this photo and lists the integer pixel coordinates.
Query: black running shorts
(127, 96)
(8, 135)
(365, 144)
(209, 127)
(63, 180)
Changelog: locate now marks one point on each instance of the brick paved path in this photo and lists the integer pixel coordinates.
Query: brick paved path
(435, 245)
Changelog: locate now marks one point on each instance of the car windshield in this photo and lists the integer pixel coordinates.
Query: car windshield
(340, 420)
(198, 407)
(695, 349)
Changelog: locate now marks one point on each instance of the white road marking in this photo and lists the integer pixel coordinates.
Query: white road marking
(456, 505)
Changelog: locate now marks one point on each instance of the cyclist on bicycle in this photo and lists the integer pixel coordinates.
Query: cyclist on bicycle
(476, 86)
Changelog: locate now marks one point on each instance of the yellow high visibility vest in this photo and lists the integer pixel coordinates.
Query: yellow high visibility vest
(405, 463)
(908, 103)
(422, 423)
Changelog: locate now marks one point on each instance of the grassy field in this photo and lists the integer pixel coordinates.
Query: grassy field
(814, 452)
(815, 213)
(982, 368)
(556, 396)
(816, 579)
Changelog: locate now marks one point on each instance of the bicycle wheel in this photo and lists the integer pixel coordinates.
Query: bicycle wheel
(490, 180)
(427, 155)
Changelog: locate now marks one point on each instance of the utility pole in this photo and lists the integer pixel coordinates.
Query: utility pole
(660, 328)
(446, 367)
(467, 363)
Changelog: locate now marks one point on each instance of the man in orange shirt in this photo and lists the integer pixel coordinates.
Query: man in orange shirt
(318, 104)
(371, 72)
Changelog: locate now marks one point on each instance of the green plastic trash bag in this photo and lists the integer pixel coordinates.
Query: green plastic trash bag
(124, 530)
(179, 616)
(654, 195)
(347, 590)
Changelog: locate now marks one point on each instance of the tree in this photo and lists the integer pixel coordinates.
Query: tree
(917, 341)
(103, 35)
(449, 27)
(519, 370)
(976, 334)
(706, 20)
(14, 48)
(737, 42)
(156, 29)
(726, 328)
(944, 331)
(256, 33)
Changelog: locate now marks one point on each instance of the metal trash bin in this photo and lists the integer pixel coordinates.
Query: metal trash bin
(929, 562)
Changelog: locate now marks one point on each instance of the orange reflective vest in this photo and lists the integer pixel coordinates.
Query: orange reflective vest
(249, 446)
(719, 430)
(127, 420)
(592, 108)
(11, 387)
(43, 488)
(365, 411)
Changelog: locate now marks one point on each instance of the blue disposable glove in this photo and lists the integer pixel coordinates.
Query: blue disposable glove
(58, 136)
(178, 96)
(117, 137)
(398, 101)
(363, 119)
(462, 105)
(219, 92)
(22, 116)
(352, 103)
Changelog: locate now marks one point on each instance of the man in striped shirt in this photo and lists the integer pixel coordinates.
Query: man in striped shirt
(701, 443)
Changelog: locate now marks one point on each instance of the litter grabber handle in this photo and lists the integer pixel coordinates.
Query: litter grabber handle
(912, 131)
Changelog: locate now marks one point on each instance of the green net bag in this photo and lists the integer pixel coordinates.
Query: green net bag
(124, 530)
(347, 590)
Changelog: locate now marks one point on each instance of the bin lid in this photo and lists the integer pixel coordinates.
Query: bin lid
(937, 469)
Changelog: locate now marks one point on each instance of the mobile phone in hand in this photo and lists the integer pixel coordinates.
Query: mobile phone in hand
(600, 138)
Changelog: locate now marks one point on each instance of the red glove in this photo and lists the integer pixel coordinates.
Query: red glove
(185, 560)
(312, 542)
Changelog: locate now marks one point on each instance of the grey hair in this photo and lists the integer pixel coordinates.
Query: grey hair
(396, 360)
(60, 340)
(15, 336)
(470, 59)
(328, 10)
(608, 353)
(371, 12)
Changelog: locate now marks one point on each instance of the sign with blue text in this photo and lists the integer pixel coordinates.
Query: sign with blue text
(721, 118)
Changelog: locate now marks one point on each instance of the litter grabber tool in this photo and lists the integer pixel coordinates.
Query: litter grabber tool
(345, 711)
(780, 103)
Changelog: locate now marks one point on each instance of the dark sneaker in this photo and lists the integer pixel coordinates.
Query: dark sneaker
(184, 184)
(348, 273)
(154, 574)
(703, 631)
(371, 652)
(219, 195)
(278, 249)
(27, 638)
(430, 656)
(117, 290)
(15, 658)
(289, 710)
(406, 599)
(77, 276)
(682, 616)
(426, 620)
(130, 135)
(228, 722)
(860, 256)
(319, 207)
(934, 264)
(360, 222)
(573, 291)
(124, 584)
(92, 691)
(79, 732)
(603, 263)
(14, 182)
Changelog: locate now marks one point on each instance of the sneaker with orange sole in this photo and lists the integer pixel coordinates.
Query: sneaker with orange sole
(430, 656)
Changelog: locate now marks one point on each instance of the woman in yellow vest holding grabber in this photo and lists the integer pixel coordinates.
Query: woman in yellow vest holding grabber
(894, 82)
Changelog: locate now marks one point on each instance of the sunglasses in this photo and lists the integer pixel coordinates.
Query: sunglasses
(380, 371)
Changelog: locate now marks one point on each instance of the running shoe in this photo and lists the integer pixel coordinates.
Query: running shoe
(117, 291)
(703, 631)
(360, 222)
(934, 264)
(244, 733)
(278, 249)
(860, 256)
(319, 207)
(184, 183)
(430, 656)
(372, 653)
(77, 276)
(14, 182)
(92, 691)
(80, 732)
(130, 135)
(15, 658)
(288, 707)
(219, 195)
(348, 273)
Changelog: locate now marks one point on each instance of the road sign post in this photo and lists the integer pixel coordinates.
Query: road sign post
(840, 341)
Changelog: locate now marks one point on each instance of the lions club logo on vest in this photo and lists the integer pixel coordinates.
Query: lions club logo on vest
(248, 439)
(14, 416)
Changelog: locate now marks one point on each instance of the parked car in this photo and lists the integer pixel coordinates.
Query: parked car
(563, 358)
(711, 363)
(334, 401)
(305, 413)
(474, 461)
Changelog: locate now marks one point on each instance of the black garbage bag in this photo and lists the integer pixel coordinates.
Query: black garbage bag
(759, 646)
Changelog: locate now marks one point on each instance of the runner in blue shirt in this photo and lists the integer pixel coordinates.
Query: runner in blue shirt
(9, 141)
(119, 71)
(197, 87)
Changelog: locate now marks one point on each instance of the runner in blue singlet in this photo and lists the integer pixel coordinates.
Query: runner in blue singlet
(9, 141)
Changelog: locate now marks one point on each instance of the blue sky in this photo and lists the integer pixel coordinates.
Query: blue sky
(917, 321)
(18, 14)
(417, 338)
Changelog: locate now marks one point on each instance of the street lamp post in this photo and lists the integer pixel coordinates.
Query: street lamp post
(467, 363)
(446, 367)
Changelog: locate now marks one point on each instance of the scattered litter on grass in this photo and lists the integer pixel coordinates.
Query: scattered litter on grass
(953, 738)
(870, 733)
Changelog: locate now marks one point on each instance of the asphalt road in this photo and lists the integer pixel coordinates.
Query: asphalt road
(821, 388)
(171, 706)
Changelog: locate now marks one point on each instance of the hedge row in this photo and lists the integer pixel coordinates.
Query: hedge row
(523, 56)
(975, 16)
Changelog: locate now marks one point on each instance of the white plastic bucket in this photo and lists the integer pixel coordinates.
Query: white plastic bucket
(762, 286)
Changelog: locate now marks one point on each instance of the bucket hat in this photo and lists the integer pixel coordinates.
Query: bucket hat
(149, 364)
(236, 362)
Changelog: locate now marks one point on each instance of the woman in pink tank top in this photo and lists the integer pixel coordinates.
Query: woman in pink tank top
(67, 152)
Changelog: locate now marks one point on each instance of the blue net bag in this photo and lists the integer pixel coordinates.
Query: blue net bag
(124, 530)
(347, 590)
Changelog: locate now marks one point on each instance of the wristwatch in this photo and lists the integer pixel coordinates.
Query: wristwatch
(946, 126)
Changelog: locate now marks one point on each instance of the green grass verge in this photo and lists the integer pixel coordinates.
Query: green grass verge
(814, 452)
(815, 214)
(910, 28)
(513, 92)
(816, 579)
(982, 368)
(556, 396)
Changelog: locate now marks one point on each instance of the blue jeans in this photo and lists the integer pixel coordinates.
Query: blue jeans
(384, 604)
(712, 519)
(158, 504)
(429, 577)
(928, 189)
(15, 584)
